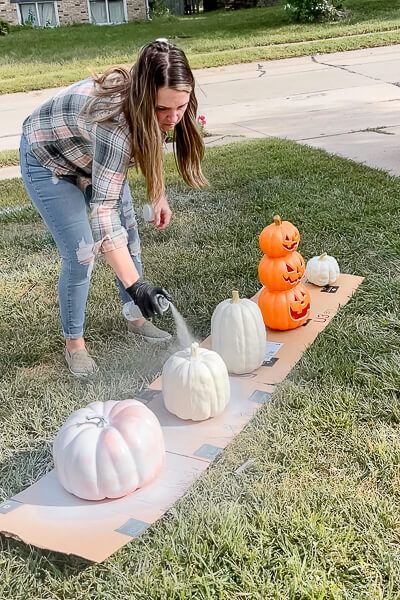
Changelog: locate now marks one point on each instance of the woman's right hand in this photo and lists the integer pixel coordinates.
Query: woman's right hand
(145, 296)
(162, 213)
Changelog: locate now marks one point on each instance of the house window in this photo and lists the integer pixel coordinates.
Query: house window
(38, 14)
(107, 11)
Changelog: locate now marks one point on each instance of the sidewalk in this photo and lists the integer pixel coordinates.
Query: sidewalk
(347, 103)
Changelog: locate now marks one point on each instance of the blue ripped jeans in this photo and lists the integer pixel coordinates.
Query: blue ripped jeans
(63, 207)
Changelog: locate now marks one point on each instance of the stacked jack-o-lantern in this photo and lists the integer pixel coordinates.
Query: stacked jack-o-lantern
(284, 301)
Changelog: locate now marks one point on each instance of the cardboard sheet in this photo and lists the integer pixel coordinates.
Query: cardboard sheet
(47, 516)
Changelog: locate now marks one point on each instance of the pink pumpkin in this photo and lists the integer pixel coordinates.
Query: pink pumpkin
(109, 449)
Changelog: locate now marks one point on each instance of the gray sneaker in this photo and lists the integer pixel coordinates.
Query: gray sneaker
(80, 363)
(149, 332)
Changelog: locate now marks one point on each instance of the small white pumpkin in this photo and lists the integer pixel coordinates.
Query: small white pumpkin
(109, 449)
(195, 384)
(322, 270)
(238, 334)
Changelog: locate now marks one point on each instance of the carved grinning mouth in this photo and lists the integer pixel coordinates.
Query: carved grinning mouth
(289, 280)
(290, 245)
(299, 315)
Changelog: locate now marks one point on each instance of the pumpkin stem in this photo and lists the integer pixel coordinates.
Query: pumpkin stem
(235, 297)
(277, 220)
(323, 255)
(102, 422)
(194, 350)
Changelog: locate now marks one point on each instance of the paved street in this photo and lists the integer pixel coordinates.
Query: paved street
(347, 103)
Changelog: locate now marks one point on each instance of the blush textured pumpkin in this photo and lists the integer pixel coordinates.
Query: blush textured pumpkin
(285, 310)
(281, 273)
(279, 238)
(238, 334)
(109, 449)
(195, 384)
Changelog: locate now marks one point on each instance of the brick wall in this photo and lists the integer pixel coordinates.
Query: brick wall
(73, 11)
(136, 10)
(8, 12)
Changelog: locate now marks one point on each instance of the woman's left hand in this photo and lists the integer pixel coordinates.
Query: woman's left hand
(162, 213)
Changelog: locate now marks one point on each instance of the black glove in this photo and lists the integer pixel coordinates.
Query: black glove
(144, 295)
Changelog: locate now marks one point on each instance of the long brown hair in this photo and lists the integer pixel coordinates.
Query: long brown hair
(134, 93)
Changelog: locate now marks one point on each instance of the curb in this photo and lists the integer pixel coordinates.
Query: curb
(209, 142)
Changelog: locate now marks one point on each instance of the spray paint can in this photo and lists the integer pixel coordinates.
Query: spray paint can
(148, 213)
(131, 311)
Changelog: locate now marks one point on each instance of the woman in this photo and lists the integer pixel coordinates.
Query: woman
(75, 152)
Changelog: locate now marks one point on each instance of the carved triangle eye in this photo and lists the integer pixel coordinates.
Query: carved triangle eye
(289, 268)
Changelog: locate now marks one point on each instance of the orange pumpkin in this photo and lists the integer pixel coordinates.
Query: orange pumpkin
(281, 273)
(279, 238)
(285, 310)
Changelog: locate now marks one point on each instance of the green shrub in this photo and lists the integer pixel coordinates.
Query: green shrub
(158, 8)
(315, 10)
(4, 28)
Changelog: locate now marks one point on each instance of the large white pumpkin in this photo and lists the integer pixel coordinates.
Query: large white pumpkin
(108, 449)
(238, 334)
(195, 383)
(322, 270)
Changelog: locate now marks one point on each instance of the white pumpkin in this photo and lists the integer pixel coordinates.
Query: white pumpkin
(108, 449)
(322, 270)
(238, 334)
(195, 383)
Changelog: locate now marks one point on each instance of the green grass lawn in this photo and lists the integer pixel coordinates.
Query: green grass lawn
(9, 158)
(317, 515)
(33, 59)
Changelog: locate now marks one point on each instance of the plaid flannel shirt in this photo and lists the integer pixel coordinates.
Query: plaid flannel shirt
(68, 143)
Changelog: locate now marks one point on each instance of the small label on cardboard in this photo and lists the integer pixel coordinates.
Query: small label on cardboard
(260, 397)
(133, 527)
(208, 451)
(272, 348)
(270, 362)
(330, 289)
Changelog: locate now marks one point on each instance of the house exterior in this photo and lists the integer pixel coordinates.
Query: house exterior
(50, 13)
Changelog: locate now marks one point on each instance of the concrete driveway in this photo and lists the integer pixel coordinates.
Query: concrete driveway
(347, 103)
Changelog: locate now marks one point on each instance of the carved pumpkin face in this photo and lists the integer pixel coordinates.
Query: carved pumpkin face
(281, 273)
(279, 239)
(285, 310)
